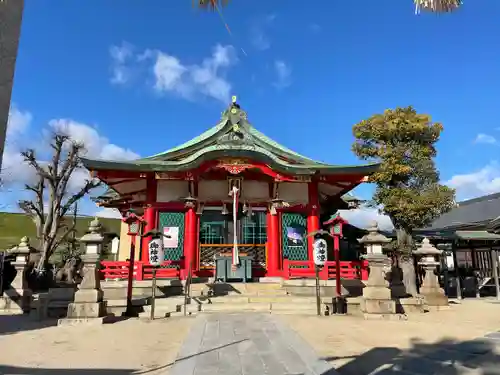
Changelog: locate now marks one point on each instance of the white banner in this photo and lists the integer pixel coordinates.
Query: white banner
(171, 237)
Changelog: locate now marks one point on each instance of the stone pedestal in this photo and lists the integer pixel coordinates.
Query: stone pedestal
(17, 298)
(377, 302)
(88, 305)
(433, 294)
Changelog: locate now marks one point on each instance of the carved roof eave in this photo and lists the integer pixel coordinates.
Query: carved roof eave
(216, 152)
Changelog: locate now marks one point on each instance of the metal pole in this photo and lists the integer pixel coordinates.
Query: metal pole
(153, 295)
(494, 262)
(318, 291)
(130, 280)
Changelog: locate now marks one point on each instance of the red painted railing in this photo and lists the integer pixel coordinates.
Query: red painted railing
(357, 269)
(291, 269)
(142, 270)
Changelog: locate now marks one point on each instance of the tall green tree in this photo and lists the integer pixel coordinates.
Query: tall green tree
(407, 184)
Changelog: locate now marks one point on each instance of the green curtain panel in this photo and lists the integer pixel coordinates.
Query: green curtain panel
(173, 219)
(294, 230)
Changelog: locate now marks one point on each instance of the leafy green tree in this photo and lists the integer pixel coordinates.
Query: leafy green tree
(408, 188)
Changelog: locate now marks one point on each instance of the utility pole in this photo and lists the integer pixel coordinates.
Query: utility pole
(11, 15)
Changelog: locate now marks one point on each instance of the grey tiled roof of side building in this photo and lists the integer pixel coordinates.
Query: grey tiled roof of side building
(477, 211)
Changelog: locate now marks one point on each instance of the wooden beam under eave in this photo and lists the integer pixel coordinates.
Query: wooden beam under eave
(105, 175)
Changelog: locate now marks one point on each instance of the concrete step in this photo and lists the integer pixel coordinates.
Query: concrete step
(171, 302)
(225, 307)
(271, 292)
(293, 306)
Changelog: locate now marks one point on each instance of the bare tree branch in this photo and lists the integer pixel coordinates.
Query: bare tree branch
(30, 158)
(52, 200)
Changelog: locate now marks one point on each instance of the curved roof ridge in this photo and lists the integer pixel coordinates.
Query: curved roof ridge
(193, 141)
(279, 146)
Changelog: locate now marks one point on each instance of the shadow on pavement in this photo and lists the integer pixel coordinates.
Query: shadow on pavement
(446, 357)
(10, 324)
(14, 370)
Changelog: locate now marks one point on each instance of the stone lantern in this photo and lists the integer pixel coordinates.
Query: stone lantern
(376, 301)
(88, 304)
(19, 296)
(430, 289)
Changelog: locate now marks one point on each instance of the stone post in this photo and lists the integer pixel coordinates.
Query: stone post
(88, 305)
(430, 289)
(19, 296)
(376, 302)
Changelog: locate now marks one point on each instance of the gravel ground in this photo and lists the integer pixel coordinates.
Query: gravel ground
(127, 347)
(351, 343)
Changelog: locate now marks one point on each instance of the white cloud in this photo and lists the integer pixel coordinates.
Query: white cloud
(283, 73)
(16, 172)
(363, 217)
(171, 75)
(18, 122)
(96, 146)
(258, 36)
(120, 58)
(481, 182)
(111, 213)
(485, 139)
(206, 79)
(14, 168)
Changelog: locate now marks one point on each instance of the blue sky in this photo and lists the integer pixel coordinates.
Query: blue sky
(309, 74)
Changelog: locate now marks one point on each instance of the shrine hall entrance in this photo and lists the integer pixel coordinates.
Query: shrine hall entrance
(217, 235)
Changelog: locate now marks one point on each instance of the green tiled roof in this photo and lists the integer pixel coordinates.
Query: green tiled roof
(235, 137)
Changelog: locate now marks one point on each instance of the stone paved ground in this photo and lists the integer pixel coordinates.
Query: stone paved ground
(246, 344)
(461, 340)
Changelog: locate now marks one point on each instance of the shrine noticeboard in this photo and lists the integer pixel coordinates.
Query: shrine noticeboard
(171, 237)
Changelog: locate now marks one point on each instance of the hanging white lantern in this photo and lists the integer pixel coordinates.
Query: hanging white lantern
(437, 6)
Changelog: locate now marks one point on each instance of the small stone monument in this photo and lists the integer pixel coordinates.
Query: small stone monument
(376, 302)
(430, 289)
(88, 305)
(19, 296)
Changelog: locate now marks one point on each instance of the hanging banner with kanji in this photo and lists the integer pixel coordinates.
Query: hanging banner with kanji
(155, 250)
(171, 239)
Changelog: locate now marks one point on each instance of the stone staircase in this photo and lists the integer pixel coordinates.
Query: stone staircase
(271, 298)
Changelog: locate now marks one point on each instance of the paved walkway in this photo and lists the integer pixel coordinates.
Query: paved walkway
(246, 344)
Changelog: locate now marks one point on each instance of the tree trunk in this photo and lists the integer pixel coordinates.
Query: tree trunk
(405, 247)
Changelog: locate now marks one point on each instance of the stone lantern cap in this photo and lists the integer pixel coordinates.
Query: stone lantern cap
(426, 248)
(95, 235)
(374, 236)
(24, 247)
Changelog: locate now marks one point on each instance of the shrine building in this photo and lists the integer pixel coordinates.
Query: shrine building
(231, 188)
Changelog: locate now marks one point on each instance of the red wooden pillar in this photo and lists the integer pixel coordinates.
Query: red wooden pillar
(149, 215)
(313, 215)
(273, 245)
(191, 235)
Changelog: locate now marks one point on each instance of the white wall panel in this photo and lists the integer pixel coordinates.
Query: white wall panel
(213, 190)
(293, 192)
(172, 190)
(255, 191)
